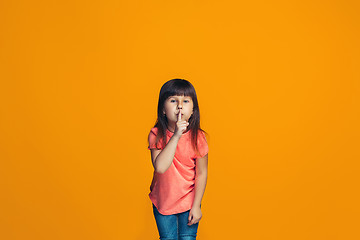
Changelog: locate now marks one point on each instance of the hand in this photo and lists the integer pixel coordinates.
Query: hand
(180, 126)
(194, 216)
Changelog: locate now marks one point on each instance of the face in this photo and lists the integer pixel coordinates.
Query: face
(174, 103)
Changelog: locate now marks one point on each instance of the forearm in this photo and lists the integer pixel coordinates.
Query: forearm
(200, 184)
(164, 159)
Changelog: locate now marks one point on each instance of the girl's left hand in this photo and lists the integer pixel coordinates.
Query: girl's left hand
(194, 216)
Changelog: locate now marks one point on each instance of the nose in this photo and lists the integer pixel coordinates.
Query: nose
(179, 107)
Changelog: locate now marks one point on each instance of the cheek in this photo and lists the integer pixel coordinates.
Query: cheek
(169, 108)
(191, 108)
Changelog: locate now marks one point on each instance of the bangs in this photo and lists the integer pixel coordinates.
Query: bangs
(180, 91)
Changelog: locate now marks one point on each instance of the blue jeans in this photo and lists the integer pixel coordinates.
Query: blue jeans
(174, 227)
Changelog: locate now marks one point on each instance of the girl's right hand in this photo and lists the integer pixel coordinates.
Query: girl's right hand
(180, 126)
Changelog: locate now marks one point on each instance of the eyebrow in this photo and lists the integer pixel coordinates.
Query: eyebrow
(185, 99)
(177, 97)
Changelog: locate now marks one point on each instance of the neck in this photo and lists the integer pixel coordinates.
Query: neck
(171, 127)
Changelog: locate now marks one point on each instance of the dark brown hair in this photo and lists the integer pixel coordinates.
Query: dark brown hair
(178, 87)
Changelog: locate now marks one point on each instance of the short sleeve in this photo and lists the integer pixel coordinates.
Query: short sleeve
(152, 139)
(202, 145)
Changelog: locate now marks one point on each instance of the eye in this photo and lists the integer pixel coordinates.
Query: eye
(173, 100)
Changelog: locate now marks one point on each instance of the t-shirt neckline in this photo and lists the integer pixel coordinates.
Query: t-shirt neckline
(171, 133)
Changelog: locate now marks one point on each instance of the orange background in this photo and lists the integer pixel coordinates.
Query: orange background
(279, 93)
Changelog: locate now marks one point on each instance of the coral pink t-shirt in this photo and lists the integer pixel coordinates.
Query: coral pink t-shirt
(174, 190)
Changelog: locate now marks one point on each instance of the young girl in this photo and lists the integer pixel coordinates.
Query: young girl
(179, 154)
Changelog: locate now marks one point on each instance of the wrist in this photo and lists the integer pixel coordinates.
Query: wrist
(196, 206)
(177, 137)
